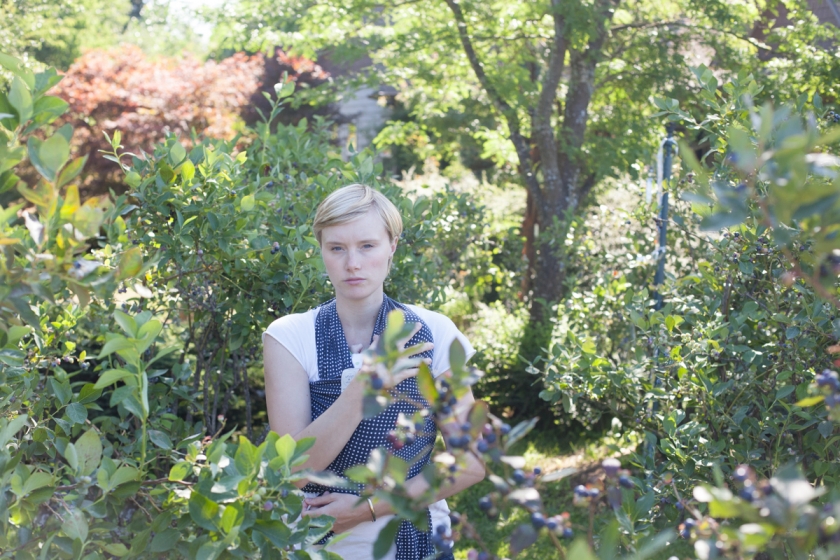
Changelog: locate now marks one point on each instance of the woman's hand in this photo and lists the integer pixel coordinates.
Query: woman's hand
(343, 507)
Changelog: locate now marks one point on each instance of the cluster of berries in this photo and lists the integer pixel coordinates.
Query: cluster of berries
(463, 439)
(832, 116)
(401, 439)
(442, 539)
(829, 383)
(751, 490)
(488, 437)
(557, 524)
(275, 248)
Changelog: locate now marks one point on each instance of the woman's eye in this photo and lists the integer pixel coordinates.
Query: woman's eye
(367, 245)
(334, 249)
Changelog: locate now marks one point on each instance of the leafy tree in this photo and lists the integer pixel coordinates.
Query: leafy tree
(54, 33)
(557, 91)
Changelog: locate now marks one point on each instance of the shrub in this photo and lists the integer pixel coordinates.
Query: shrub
(130, 328)
(723, 374)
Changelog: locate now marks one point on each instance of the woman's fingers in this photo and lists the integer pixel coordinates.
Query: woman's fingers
(408, 373)
(321, 500)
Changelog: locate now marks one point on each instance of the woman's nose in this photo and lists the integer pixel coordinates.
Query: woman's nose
(352, 260)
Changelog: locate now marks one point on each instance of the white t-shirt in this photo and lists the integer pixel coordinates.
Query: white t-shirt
(297, 334)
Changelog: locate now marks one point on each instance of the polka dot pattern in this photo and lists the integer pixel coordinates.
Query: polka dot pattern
(333, 358)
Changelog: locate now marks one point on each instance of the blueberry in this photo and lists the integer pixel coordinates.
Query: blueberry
(594, 492)
(454, 518)
(537, 520)
(268, 506)
(625, 481)
(491, 437)
(568, 533)
(376, 383)
(440, 530)
(504, 429)
(580, 490)
(482, 446)
(551, 523)
(537, 471)
(485, 503)
(611, 467)
(742, 473)
(518, 476)
(466, 426)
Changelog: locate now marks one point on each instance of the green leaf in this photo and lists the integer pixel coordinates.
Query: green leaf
(165, 540)
(111, 376)
(89, 450)
(71, 456)
(275, 531)
(177, 153)
(35, 481)
(247, 203)
(247, 456)
(160, 439)
(285, 447)
(75, 525)
(53, 154)
(187, 171)
(386, 539)
(50, 107)
(122, 475)
(232, 517)
(180, 471)
(114, 345)
(127, 323)
(131, 263)
(203, 511)
(10, 428)
(21, 99)
(77, 413)
(426, 383)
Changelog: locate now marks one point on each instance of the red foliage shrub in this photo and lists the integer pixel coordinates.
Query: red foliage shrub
(144, 98)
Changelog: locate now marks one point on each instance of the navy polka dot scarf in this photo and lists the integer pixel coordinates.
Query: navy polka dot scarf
(333, 358)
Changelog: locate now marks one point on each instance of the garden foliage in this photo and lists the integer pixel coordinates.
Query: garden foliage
(726, 373)
(130, 329)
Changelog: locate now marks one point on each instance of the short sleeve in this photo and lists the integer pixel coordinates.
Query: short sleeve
(296, 333)
(444, 333)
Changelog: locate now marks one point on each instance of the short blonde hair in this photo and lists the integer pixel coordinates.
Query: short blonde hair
(350, 202)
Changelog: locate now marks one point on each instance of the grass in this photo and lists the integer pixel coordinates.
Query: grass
(544, 450)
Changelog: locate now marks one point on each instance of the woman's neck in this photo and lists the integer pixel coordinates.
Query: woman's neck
(358, 317)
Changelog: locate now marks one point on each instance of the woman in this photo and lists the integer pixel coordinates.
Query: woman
(311, 359)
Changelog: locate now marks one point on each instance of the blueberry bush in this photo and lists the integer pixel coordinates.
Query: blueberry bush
(731, 378)
(132, 420)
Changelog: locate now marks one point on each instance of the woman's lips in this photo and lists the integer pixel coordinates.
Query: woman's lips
(354, 281)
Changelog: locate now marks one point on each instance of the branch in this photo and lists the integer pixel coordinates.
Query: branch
(509, 113)
(541, 119)
(581, 88)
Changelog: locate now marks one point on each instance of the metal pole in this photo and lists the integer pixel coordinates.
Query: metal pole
(667, 162)
(663, 216)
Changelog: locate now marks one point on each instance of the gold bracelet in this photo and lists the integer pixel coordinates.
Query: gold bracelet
(372, 513)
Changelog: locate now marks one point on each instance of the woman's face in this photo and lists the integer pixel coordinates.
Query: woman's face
(356, 255)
